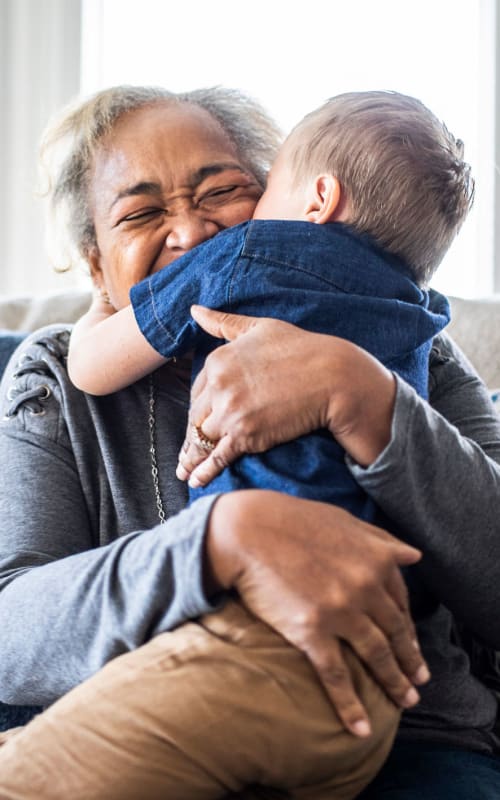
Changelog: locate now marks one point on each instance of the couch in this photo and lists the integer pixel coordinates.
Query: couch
(21, 315)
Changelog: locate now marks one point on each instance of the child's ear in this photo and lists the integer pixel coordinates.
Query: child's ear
(324, 199)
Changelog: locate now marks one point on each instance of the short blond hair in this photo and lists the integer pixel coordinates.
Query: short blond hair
(72, 137)
(402, 172)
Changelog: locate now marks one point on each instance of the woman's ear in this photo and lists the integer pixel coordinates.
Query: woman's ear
(324, 202)
(97, 275)
(94, 262)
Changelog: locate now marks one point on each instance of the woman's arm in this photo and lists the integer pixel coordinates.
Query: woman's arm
(434, 470)
(440, 480)
(66, 606)
(69, 602)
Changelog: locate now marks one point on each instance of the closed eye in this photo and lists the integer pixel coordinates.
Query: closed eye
(144, 215)
(218, 192)
(226, 190)
(220, 195)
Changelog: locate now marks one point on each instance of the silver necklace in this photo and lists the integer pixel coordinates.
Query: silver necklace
(152, 449)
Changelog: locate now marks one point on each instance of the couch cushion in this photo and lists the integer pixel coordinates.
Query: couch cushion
(29, 313)
(475, 326)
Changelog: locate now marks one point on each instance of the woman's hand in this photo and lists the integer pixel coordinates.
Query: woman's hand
(318, 575)
(274, 382)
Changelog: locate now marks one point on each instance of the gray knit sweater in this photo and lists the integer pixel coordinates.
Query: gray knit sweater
(86, 571)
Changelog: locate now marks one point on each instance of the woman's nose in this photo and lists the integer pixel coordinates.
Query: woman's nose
(187, 229)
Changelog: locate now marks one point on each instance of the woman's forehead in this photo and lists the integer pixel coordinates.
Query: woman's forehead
(167, 144)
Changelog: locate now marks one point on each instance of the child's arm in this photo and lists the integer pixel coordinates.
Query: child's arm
(108, 351)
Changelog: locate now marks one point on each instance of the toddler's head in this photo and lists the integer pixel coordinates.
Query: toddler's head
(381, 162)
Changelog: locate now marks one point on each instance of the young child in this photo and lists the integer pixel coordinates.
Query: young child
(364, 199)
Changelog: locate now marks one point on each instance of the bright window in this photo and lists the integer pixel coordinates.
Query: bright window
(291, 56)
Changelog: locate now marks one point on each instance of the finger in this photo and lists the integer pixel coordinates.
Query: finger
(181, 472)
(202, 416)
(190, 455)
(397, 588)
(198, 385)
(211, 424)
(398, 627)
(186, 454)
(404, 554)
(224, 454)
(221, 324)
(409, 656)
(333, 672)
(189, 460)
(372, 646)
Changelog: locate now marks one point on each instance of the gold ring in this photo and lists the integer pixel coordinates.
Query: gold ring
(201, 440)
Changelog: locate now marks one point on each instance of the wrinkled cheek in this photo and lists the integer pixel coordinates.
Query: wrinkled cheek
(119, 277)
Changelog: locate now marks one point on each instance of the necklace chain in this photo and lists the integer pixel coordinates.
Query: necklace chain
(152, 451)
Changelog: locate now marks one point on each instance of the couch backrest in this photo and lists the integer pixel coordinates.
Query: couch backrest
(21, 315)
(29, 313)
(475, 324)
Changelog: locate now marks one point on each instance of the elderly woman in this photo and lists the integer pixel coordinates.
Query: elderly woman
(91, 572)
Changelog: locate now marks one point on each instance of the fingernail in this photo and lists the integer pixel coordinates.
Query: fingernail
(411, 698)
(361, 728)
(181, 473)
(194, 483)
(422, 675)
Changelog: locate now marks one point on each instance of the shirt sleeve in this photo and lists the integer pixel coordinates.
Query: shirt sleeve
(439, 480)
(67, 603)
(162, 302)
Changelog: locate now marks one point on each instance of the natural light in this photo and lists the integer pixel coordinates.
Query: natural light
(291, 56)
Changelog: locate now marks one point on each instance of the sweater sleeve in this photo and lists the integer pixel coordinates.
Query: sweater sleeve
(68, 604)
(439, 480)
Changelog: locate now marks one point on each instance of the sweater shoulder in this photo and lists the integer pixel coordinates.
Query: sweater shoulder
(35, 384)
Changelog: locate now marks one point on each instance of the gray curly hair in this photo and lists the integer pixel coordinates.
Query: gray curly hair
(70, 141)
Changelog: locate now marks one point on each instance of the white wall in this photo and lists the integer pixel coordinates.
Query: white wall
(39, 72)
(288, 57)
(292, 56)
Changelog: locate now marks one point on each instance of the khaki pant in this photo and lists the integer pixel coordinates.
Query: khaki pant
(215, 708)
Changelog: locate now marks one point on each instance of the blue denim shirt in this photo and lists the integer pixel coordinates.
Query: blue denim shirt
(324, 278)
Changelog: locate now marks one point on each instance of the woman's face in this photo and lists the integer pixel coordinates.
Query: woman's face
(164, 180)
